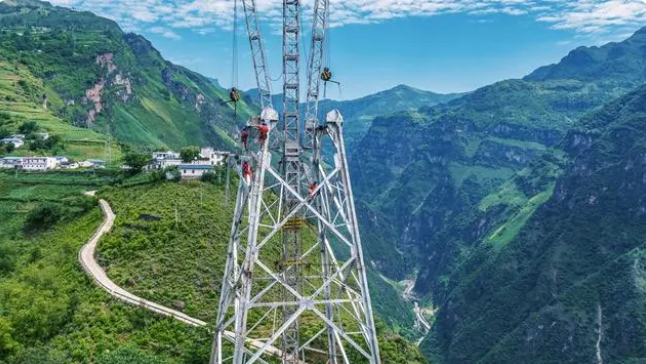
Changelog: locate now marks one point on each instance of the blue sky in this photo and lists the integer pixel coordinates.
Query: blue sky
(437, 45)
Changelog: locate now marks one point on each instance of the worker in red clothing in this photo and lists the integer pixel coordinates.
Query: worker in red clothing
(247, 173)
(313, 188)
(245, 137)
(263, 130)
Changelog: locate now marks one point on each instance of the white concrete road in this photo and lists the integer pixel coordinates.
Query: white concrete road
(94, 270)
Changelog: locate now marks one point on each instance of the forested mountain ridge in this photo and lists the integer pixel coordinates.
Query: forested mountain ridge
(93, 74)
(359, 113)
(622, 62)
(445, 182)
(569, 287)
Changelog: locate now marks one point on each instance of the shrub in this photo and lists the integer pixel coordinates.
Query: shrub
(28, 127)
(43, 216)
(129, 355)
(9, 147)
(136, 161)
(210, 177)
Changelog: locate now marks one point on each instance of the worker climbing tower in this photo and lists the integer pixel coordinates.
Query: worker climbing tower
(295, 286)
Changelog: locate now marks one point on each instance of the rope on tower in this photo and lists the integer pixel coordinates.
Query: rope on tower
(327, 74)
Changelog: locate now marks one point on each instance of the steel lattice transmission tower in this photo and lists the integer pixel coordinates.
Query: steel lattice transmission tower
(295, 286)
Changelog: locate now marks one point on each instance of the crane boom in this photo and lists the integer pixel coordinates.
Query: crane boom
(319, 28)
(258, 53)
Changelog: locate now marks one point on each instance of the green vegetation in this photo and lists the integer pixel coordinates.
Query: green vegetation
(508, 231)
(188, 154)
(564, 266)
(78, 76)
(460, 173)
(136, 161)
(167, 245)
(170, 250)
(50, 311)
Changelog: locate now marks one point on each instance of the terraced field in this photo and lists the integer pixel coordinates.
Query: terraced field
(21, 99)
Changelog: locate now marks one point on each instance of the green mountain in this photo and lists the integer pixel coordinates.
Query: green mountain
(63, 67)
(569, 287)
(617, 62)
(438, 185)
(359, 113)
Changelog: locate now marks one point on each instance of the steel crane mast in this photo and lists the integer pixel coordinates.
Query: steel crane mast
(319, 31)
(295, 286)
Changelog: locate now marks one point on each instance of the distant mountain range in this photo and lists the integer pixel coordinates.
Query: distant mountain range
(472, 196)
(359, 113)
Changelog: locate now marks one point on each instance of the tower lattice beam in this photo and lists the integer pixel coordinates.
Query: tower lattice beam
(295, 286)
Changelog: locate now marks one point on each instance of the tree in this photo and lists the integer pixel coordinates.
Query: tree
(136, 161)
(28, 127)
(43, 216)
(189, 154)
(4, 133)
(7, 344)
(209, 177)
(10, 147)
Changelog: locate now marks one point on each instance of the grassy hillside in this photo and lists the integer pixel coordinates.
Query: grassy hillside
(86, 72)
(170, 251)
(21, 100)
(50, 312)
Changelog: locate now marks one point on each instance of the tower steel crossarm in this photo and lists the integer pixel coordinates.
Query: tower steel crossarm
(258, 53)
(319, 29)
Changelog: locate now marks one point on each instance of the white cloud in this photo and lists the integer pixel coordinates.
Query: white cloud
(582, 16)
(166, 33)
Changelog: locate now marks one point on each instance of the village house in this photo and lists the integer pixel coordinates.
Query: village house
(162, 160)
(164, 163)
(17, 142)
(42, 135)
(92, 163)
(68, 165)
(61, 159)
(11, 162)
(156, 156)
(38, 163)
(214, 157)
(191, 171)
